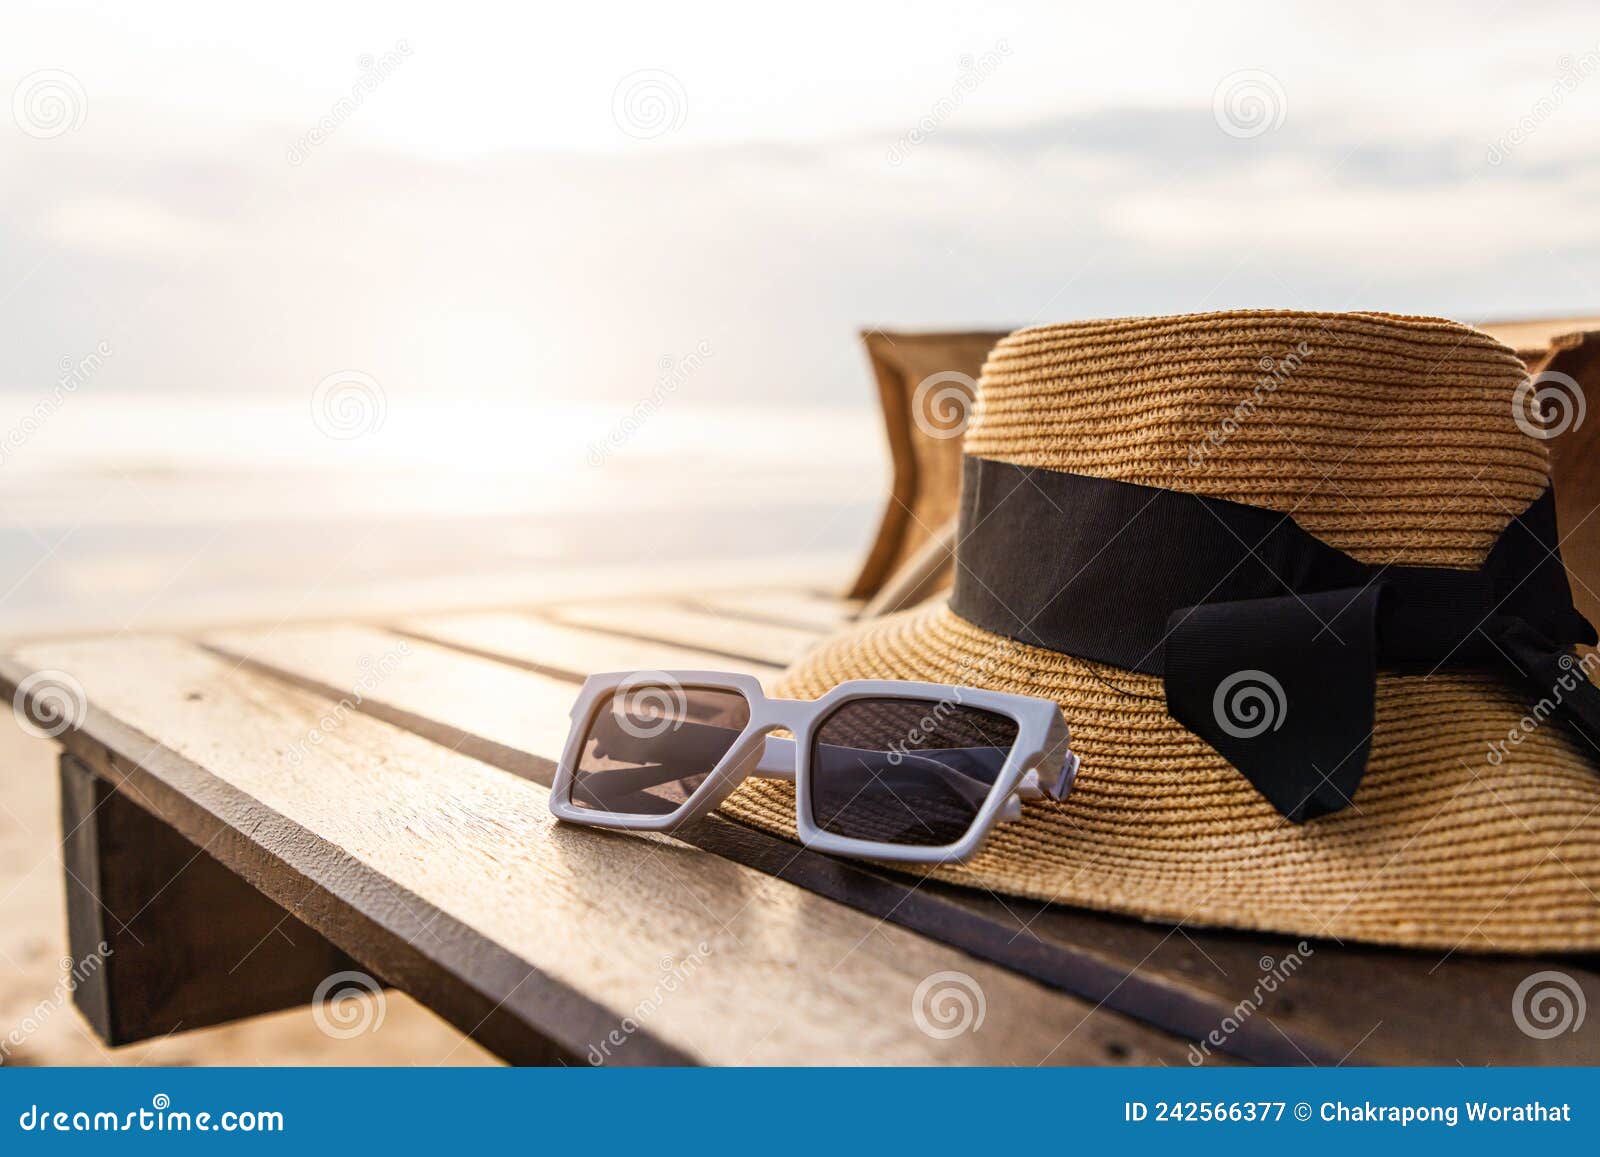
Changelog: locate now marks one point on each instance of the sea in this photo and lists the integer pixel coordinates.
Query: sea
(151, 512)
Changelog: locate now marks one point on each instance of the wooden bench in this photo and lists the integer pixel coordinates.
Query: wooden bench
(246, 812)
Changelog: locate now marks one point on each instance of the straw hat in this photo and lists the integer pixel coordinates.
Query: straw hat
(1393, 440)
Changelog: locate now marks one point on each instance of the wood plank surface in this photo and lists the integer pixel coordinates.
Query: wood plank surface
(504, 715)
(788, 608)
(660, 621)
(538, 644)
(1366, 1005)
(1346, 1004)
(450, 878)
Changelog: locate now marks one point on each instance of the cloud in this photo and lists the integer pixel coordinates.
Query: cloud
(568, 275)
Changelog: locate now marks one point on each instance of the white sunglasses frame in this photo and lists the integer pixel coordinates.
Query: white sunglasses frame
(1042, 734)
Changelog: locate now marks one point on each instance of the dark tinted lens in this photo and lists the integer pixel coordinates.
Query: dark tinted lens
(652, 744)
(902, 771)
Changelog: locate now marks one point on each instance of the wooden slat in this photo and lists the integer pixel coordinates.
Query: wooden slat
(500, 714)
(518, 720)
(791, 608)
(1365, 1004)
(450, 878)
(1187, 980)
(667, 622)
(540, 645)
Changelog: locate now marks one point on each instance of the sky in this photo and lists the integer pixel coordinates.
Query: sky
(552, 203)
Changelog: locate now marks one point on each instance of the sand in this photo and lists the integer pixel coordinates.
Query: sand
(33, 943)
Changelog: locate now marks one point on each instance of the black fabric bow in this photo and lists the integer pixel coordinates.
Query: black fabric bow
(1267, 638)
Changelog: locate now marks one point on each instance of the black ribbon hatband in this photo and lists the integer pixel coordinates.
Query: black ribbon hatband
(1268, 640)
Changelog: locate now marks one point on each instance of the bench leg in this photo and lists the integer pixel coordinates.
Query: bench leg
(162, 936)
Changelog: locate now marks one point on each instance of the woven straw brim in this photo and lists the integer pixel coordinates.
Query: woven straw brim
(1443, 848)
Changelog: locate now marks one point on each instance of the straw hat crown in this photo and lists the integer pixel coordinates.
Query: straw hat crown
(1392, 438)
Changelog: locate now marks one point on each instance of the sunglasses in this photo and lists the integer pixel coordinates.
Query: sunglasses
(884, 770)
